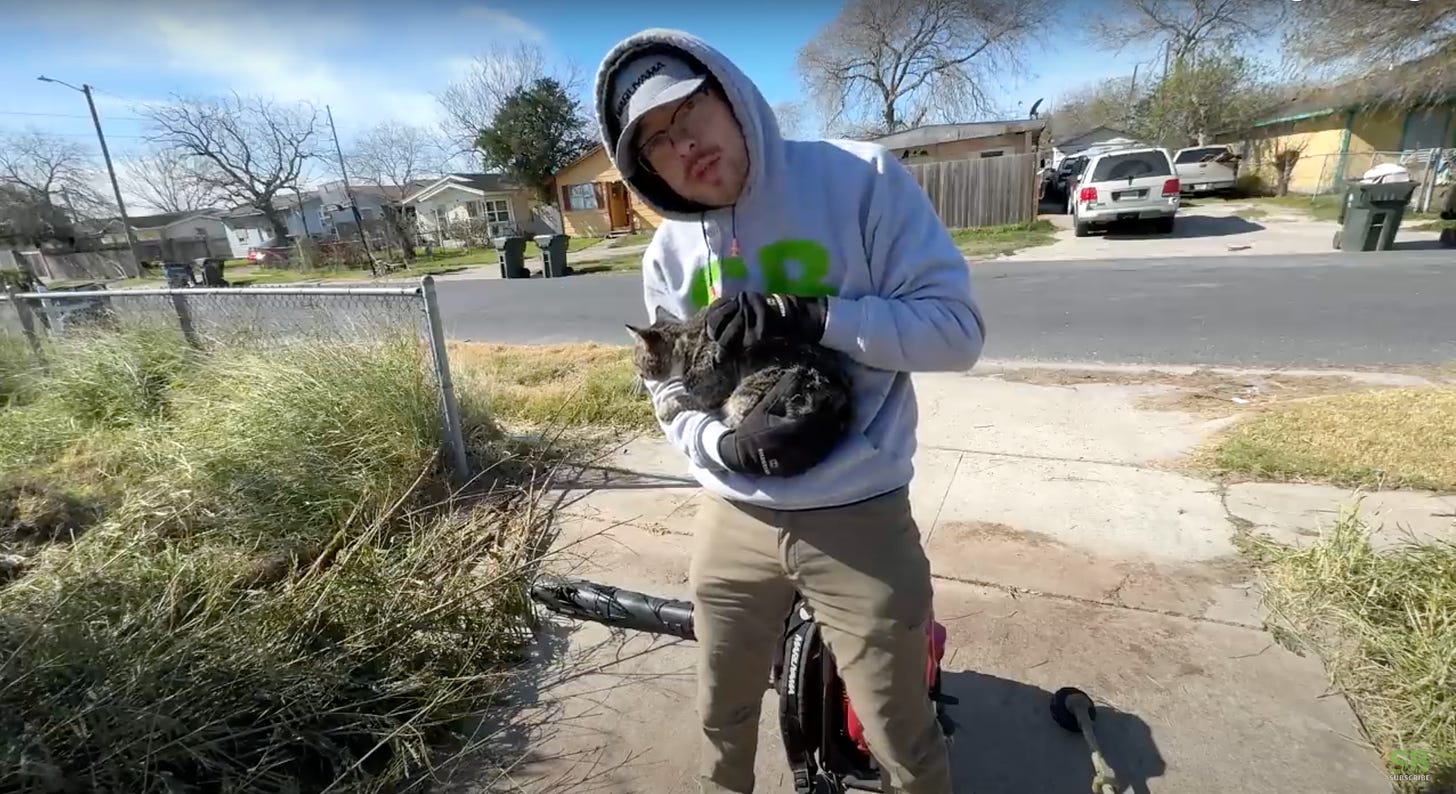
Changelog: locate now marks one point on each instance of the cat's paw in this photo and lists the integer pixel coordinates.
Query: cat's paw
(670, 407)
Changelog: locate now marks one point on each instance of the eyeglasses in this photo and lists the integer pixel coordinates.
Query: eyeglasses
(680, 126)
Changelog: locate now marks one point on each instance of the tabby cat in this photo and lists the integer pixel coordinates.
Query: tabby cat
(712, 381)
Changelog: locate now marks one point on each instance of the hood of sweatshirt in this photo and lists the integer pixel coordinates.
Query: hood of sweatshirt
(755, 116)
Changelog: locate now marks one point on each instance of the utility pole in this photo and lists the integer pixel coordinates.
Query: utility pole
(349, 192)
(106, 155)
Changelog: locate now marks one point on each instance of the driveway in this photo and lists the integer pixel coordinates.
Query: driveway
(1210, 227)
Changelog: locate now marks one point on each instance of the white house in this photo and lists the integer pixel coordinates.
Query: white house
(176, 236)
(472, 200)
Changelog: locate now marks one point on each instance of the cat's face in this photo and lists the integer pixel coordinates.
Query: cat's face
(655, 348)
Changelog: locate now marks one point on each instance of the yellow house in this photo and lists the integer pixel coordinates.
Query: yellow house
(1341, 131)
(595, 202)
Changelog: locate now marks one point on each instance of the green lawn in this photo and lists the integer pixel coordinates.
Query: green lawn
(638, 238)
(989, 241)
(630, 263)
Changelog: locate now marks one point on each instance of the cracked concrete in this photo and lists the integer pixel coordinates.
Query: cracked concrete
(1064, 552)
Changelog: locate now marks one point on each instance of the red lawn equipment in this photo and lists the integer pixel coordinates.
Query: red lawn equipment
(823, 737)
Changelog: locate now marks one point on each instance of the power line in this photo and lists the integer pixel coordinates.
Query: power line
(91, 135)
(67, 115)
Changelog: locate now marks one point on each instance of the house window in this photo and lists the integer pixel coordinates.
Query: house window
(498, 211)
(472, 209)
(580, 197)
(993, 153)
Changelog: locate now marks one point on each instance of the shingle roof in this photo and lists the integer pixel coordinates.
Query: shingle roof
(931, 134)
(1431, 79)
(163, 219)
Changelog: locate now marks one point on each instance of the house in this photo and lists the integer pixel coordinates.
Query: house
(934, 143)
(302, 213)
(1092, 142)
(595, 202)
(174, 236)
(1342, 130)
(457, 208)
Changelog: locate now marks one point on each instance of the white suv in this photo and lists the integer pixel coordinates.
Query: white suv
(1126, 186)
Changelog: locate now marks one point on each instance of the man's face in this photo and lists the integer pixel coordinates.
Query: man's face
(696, 147)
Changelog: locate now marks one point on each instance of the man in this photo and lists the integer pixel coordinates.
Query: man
(836, 243)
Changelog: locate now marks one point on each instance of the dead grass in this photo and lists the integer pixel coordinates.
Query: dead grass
(533, 387)
(1203, 392)
(1384, 624)
(1390, 438)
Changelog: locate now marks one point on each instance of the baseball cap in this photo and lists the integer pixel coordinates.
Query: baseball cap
(641, 86)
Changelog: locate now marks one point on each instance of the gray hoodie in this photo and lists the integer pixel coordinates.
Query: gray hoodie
(837, 219)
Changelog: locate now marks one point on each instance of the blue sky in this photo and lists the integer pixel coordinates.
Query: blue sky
(373, 61)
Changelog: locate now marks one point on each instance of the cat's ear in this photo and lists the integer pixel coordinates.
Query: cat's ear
(664, 316)
(637, 333)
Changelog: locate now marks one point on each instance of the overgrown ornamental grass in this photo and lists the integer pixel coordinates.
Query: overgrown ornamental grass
(231, 577)
(1384, 623)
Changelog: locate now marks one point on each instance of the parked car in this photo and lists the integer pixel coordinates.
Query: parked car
(1067, 172)
(1129, 185)
(1206, 169)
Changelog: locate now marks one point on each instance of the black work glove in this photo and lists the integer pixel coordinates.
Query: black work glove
(769, 443)
(740, 321)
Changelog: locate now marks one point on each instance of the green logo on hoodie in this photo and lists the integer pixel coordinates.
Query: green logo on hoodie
(810, 279)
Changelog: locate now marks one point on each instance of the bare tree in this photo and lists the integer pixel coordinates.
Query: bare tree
(394, 154)
(1111, 102)
(166, 179)
(885, 65)
(1350, 37)
(1186, 26)
(55, 171)
(248, 149)
(470, 103)
(790, 115)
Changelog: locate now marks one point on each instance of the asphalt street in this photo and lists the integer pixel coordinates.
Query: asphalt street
(1317, 310)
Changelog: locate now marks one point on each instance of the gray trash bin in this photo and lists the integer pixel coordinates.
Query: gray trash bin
(553, 254)
(511, 251)
(1370, 215)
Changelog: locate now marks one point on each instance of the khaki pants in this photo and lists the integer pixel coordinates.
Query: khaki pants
(863, 571)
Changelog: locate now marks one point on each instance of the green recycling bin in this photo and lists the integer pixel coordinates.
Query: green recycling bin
(511, 251)
(1370, 215)
(553, 254)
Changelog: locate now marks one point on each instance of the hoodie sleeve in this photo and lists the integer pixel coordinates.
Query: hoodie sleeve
(693, 433)
(924, 317)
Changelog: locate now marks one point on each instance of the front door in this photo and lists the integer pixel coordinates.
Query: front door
(617, 209)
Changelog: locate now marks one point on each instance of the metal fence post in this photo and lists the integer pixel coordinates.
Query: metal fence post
(184, 319)
(27, 320)
(454, 437)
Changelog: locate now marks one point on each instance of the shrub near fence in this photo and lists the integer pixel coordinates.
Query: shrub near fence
(987, 191)
(253, 317)
(229, 560)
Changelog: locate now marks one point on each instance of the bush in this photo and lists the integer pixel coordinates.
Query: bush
(239, 574)
(1250, 185)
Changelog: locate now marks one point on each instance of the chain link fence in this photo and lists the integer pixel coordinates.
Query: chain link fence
(255, 317)
(1430, 169)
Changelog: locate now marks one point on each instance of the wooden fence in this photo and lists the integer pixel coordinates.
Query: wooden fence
(986, 191)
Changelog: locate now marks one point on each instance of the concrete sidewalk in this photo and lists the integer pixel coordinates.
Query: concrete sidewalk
(1067, 551)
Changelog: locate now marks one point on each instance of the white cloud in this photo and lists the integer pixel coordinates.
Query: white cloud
(321, 53)
(503, 23)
